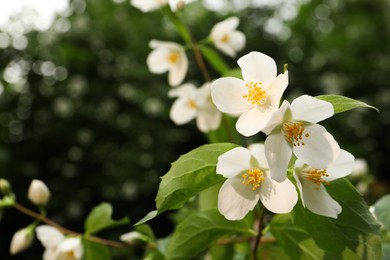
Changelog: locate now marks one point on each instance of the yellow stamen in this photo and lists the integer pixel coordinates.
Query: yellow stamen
(256, 95)
(70, 255)
(191, 104)
(315, 176)
(173, 57)
(293, 132)
(225, 38)
(253, 177)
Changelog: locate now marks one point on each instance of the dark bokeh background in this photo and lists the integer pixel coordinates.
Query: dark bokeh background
(84, 114)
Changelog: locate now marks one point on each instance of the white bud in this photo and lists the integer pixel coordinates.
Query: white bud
(38, 193)
(133, 237)
(21, 240)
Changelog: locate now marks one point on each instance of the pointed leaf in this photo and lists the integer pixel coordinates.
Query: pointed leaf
(200, 230)
(100, 218)
(342, 104)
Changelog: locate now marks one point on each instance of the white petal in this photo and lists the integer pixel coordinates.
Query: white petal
(181, 113)
(225, 48)
(237, 40)
(310, 109)
(277, 118)
(258, 67)
(148, 5)
(178, 71)
(209, 117)
(278, 153)
(278, 197)
(157, 61)
(49, 236)
(341, 167)
(227, 94)
(319, 149)
(257, 151)
(186, 90)
(278, 86)
(236, 199)
(234, 162)
(204, 91)
(50, 254)
(71, 245)
(298, 184)
(318, 200)
(222, 28)
(253, 121)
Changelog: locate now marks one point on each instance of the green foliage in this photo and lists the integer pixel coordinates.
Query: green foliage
(100, 218)
(93, 251)
(199, 231)
(342, 104)
(382, 211)
(215, 60)
(190, 174)
(355, 228)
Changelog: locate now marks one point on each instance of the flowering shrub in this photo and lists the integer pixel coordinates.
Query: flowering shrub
(282, 197)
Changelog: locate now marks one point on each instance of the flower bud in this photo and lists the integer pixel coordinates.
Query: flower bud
(21, 240)
(5, 187)
(38, 193)
(133, 237)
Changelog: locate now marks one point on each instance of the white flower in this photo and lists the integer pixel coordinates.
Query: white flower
(21, 240)
(256, 97)
(168, 56)
(294, 128)
(38, 193)
(226, 38)
(193, 103)
(58, 247)
(248, 182)
(310, 182)
(148, 5)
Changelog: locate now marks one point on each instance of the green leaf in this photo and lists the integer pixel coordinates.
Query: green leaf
(342, 104)
(214, 59)
(100, 218)
(199, 231)
(190, 174)
(382, 211)
(236, 73)
(355, 228)
(179, 24)
(297, 244)
(94, 251)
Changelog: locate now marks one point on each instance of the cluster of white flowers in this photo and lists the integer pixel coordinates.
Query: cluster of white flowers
(260, 172)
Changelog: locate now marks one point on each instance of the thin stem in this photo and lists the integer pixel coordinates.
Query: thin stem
(259, 233)
(66, 231)
(199, 60)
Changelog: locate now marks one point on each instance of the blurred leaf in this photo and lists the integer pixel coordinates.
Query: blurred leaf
(342, 104)
(236, 73)
(199, 231)
(190, 174)
(154, 255)
(382, 211)
(100, 218)
(214, 59)
(146, 230)
(355, 228)
(93, 251)
(180, 26)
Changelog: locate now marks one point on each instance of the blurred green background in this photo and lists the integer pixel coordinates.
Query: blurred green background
(80, 110)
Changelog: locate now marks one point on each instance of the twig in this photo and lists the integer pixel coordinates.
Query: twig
(259, 233)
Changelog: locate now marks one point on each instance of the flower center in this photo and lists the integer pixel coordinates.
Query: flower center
(253, 177)
(293, 132)
(173, 57)
(225, 38)
(256, 95)
(191, 104)
(70, 255)
(315, 176)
